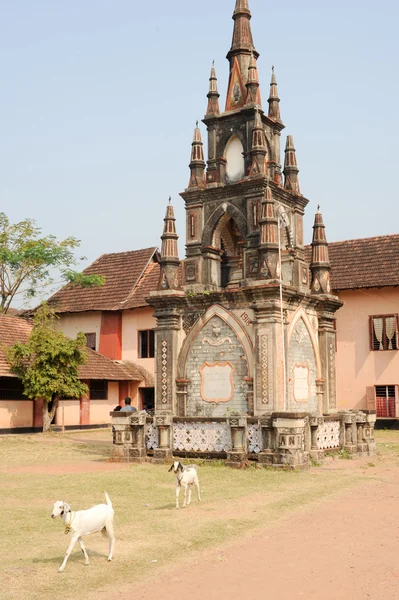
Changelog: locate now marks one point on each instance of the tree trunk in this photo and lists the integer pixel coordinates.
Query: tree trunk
(48, 416)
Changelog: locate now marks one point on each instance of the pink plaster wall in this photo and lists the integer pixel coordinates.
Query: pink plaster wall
(357, 366)
(16, 413)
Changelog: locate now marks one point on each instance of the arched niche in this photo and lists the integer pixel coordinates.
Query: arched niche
(303, 364)
(234, 156)
(233, 324)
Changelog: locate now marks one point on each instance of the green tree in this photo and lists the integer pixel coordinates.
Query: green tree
(28, 260)
(48, 364)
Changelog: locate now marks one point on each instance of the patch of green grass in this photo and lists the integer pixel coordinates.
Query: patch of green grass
(147, 525)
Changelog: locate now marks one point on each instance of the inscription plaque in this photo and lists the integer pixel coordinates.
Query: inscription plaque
(301, 383)
(217, 383)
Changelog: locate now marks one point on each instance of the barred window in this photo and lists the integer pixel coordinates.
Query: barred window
(11, 388)
(147, 344)
(384, 332)
(385, 401)
(98, 389)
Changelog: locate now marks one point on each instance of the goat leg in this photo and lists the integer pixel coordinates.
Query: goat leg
(82, 546)
(68, 552)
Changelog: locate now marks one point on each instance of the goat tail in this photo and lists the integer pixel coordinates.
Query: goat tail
(108, 499)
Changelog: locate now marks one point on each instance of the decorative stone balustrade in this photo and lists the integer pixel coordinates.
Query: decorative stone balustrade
(276, 439)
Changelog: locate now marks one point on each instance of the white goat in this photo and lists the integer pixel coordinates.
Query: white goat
(84, 522)
(186, 477)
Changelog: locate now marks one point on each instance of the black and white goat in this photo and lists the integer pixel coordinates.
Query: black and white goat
(84, 522)
(186, 477)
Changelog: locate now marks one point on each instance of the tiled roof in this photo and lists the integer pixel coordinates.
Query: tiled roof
(147, 284)
(139, 373)
(364, 263)
(122, 272)
(101, 367)
(12, 329)
(16, 329)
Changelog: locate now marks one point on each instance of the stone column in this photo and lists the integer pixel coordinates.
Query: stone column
(167, 349)
(138, 452)
(360, 423)
(315, 452)
(368, 431)
(268, 384)
(350, 439)
(239, 453)
(327, 355)
(290, 432)
(163, 454)
(266, 456)
(122, 436)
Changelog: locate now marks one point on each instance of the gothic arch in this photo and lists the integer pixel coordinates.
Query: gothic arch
(301, 314)
(233, 323)
(211, 224)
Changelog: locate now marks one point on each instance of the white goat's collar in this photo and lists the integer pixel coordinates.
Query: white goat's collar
(68, 526)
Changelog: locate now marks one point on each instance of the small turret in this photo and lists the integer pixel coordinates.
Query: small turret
(197, 164)
(253, 91)
(268, 247)
(291, 170)
(274, 100)
(259, 148)
(169, 261)
(213, 94)
(320, 264)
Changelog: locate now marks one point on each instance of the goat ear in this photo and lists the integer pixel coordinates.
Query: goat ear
(171, 469)
(181, 467)
(67, 508)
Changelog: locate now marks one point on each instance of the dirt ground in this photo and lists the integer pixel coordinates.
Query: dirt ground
(343, 548)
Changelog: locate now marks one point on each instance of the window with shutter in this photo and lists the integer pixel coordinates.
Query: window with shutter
(385, 401)
(91, 340)
(146, 344)
(384, 332)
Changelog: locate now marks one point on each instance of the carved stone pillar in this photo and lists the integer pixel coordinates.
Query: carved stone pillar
(138, 451)
(350, 434)
(290, 447)
(316, 453)
(163, 453)
(122, 436)
(327, 354)
(239, 454)
(368, 431)
(266, 456)
(362, 447)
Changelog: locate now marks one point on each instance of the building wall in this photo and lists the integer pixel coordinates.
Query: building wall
(19, 414)
(357, 366)
(16, 413)
(100, 409)
(68, 413)
(87, 322)
(134, 321)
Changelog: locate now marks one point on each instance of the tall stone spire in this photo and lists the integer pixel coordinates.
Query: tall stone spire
(320, 264)
(169, 253)
(291, 170)
(239, 55)
(268, 247)
(259, 148)
(197, 164)
(213, 94)
(274, 100)
(252, 85)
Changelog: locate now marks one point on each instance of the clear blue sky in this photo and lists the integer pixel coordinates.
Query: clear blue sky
(99, 101)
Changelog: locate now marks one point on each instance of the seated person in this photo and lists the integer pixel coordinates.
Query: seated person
(128, 407)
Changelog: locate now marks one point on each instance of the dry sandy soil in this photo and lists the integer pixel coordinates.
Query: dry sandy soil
(343, 548)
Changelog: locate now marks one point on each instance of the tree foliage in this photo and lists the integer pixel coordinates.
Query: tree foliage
(48, 364)
(28, 259)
